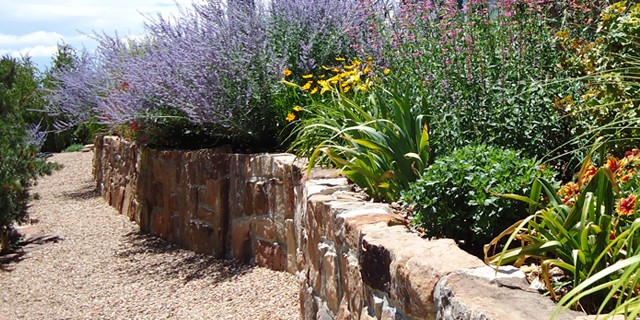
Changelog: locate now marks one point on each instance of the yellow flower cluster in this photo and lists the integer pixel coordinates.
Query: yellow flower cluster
(345, 78)
(613, 11)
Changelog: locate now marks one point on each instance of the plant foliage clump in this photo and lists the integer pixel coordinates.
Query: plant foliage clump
(588, 228)
(606, 72)
(456, 197)
(19, 161)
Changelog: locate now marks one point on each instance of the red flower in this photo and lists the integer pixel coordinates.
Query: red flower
(613, 164)
(632, 153)
(569, 192)
(626, 206)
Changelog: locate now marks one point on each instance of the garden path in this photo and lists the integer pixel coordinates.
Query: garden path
(104, 268)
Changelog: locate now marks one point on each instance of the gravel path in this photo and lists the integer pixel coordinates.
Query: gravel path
(105, 269)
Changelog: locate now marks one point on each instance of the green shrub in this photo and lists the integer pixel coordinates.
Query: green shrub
(74, 147)
(19, 162)
(455, 197)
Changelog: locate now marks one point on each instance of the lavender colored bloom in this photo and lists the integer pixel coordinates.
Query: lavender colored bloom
(36, 135)
(215, 66)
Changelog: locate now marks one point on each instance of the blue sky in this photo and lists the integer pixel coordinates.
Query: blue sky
(35, 27)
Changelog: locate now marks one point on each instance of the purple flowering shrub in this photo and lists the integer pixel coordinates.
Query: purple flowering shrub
(210, 73)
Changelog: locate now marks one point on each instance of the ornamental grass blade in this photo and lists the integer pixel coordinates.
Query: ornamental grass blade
(536, 189)
(584, 289)
(516, 197)
(512, 231)
(367, 143)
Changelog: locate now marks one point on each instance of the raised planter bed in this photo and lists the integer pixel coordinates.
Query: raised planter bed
(352, 259)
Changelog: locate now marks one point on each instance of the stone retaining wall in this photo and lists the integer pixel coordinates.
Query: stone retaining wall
(355, 259)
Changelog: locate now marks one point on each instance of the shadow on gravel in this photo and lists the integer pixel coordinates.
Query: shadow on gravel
(85, 193)
(26, 244)
(153, 255)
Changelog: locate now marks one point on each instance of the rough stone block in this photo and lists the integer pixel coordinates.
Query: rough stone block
(353, 224)
(308, 303)
(343, 310)
(241, 246)
(178, 228)
(159, 223)
(157, 194)
(175, 200)
(464, 296)
(261, 165)
(216, 195)
(264, 229)
(289, 199)
(271, 255)
(256, 199)
(331, 290)
(119, 198)
(416, 265)
(276, 199)
(127, 202)
(375, 261)
(291, 246)
(205, 239)
(327, 186)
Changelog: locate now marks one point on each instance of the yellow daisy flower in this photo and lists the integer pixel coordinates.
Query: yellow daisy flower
(290, 117)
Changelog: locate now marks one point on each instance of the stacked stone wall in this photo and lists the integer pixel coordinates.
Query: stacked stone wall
(355, 259)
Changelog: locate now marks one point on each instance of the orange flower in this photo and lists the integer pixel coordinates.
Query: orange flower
(287, 72)
(569, 192)
(588, 174)
(613, 164)
(290, 117)
(627, 176)
(626, 206)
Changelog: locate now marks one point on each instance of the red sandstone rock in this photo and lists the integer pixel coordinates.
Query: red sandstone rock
(271, 255)
(241, 241)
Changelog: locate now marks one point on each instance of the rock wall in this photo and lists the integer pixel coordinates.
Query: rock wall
(355, 259)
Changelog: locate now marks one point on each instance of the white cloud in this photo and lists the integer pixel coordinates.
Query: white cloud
(30, 38)
(35, 52)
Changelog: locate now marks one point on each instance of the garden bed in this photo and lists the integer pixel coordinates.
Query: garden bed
(354, 260)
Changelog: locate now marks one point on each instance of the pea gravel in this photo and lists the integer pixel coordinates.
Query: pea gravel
(104, 268)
